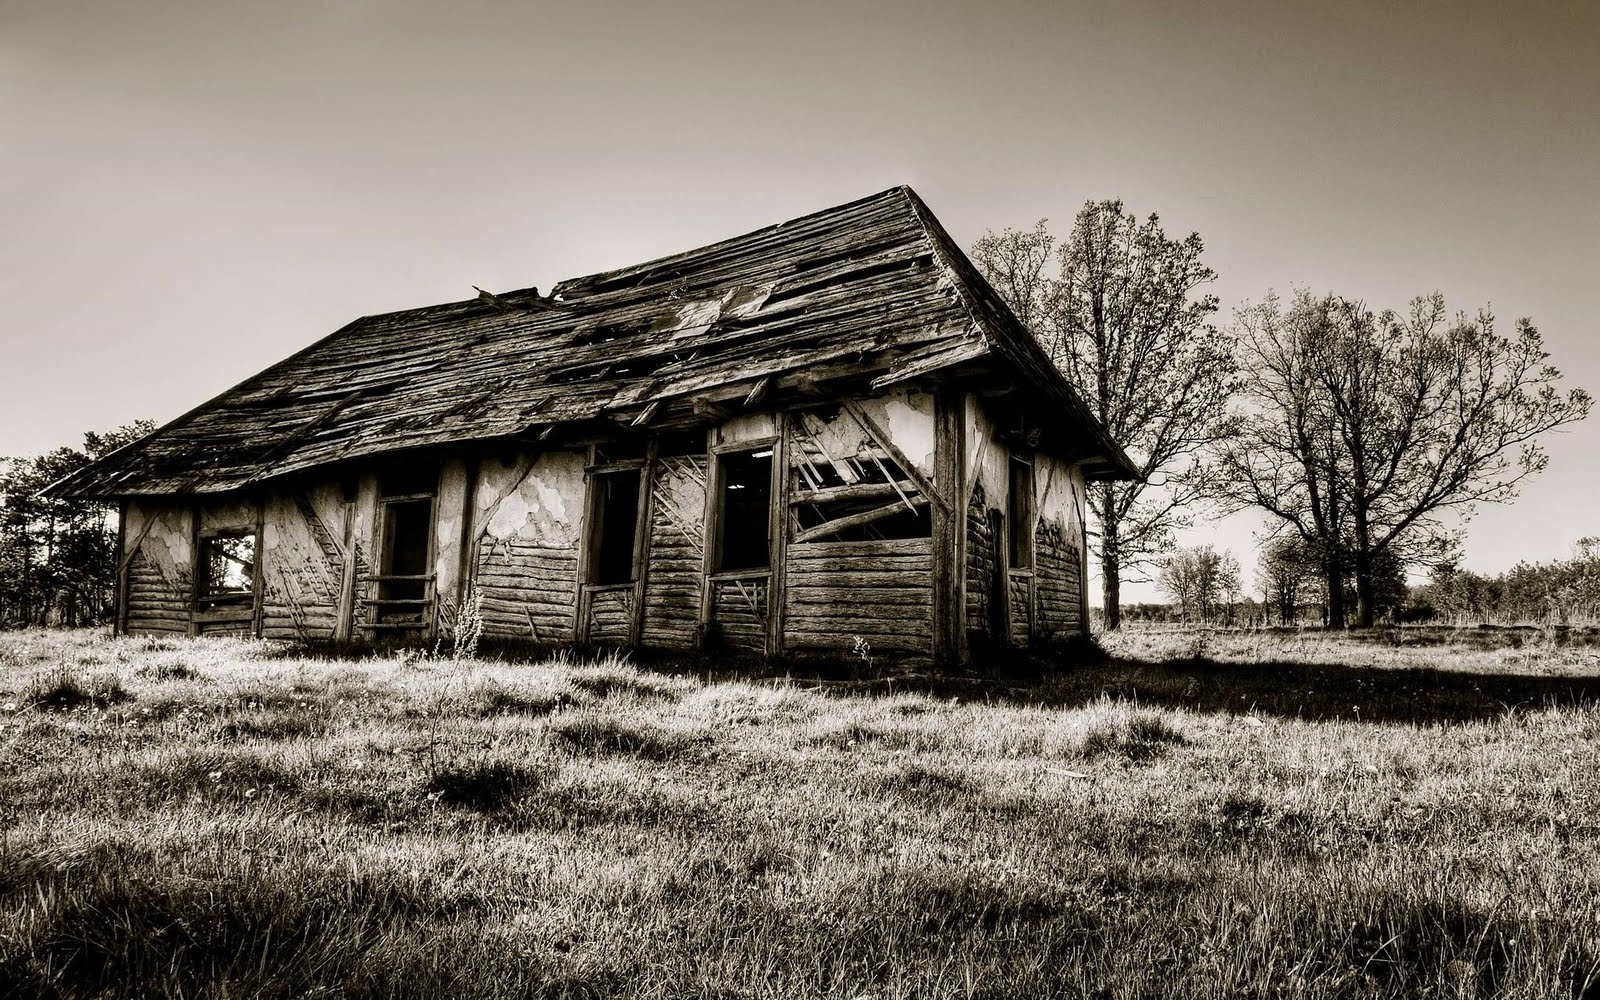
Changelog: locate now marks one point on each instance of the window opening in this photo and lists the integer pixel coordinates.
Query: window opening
(1019, 522)
(616, 516)
(746, 498)
(228, 568)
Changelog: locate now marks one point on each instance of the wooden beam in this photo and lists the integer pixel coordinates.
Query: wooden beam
(882, 440)
(258, 571)
(641, 540)
(706, 407)
(839, 524)
(849, 491)
(647, 414)
(119, 624)
(778, 536)
(758, 392)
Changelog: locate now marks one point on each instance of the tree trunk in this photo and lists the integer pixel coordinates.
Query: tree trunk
(1110, 565)
(1365, 613)
(1334, 577)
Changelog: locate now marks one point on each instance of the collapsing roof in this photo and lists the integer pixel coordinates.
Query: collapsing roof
(861, 296)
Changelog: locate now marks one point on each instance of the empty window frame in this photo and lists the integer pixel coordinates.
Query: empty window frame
(227, 569)
(1020, 516)
(744, 493)
(405, 577)
(614, 508)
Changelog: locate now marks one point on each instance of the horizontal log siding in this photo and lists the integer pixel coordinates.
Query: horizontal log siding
(154, 605)
(529, 590)
(610, 617)
(1059, 584)
(739, 610)
(1021, 609)
(881, 591)
(980, 565)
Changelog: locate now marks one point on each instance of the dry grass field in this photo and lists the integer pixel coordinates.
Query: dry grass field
(1252, 814)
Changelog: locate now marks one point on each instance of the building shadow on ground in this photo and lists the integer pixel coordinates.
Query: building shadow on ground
(1073, 678)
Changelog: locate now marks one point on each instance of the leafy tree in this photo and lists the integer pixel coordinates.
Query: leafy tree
(1368, 429)
(1119, 309)
(58, 560)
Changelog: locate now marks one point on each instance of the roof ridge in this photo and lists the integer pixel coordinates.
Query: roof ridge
(643, 267)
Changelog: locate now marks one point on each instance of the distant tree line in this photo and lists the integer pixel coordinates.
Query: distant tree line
(1565, 591)
(58, 558)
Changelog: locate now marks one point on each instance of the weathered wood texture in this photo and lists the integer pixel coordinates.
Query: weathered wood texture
(880, 591)
(610, 616)
(1057, 564)
(527, 516)
(739, 613)
(981, 569)
(675, 554)
(1022, 608)
(873, 291)
(1058, 552)
(303, 553)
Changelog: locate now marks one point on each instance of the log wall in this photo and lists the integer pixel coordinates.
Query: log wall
(676, 553)
(160, 558)
(880, 591)
(1059, 549)
(527, 521)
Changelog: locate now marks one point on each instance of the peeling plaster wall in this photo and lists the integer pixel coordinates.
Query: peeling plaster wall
(746, 427)
(527, 522)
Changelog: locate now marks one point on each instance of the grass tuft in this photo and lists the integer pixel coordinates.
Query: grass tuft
(485, 786)
(65, 690)
(600, 734)
(1138, 739)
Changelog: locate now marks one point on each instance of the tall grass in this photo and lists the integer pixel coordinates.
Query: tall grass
(255, 825)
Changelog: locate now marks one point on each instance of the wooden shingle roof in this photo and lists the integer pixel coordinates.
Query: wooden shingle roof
(871, 293)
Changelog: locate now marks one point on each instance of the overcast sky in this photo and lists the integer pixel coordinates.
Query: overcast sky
(189, 192)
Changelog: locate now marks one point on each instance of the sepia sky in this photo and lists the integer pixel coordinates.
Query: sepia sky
(189, 192)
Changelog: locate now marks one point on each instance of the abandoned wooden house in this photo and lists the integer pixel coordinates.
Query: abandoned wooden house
(826, 432)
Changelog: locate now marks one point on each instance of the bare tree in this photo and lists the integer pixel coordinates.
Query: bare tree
(1372, 428)
(1124, 319)
(1200, 579)
(1286, 566)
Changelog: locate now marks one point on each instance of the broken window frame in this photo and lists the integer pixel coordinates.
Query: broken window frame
(404, 602)
(858, 496)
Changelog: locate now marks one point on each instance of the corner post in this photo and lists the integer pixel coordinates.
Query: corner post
(949, 456)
